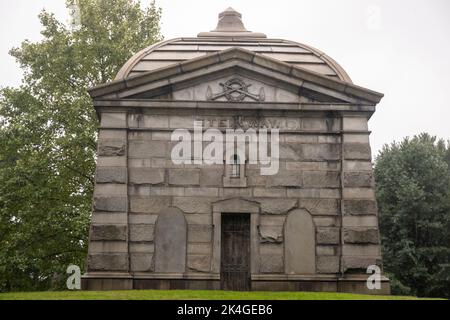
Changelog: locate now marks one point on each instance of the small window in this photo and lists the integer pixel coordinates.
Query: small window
(235, 167)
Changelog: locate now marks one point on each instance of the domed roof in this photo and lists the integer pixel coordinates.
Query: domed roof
(230, 32)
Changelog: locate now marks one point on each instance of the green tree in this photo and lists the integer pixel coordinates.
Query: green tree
(413, 192)
(48, 137)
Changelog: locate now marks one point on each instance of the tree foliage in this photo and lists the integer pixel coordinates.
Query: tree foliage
(48, 137)
(413, 192)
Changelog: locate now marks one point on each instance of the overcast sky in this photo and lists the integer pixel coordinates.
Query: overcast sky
(400, 48)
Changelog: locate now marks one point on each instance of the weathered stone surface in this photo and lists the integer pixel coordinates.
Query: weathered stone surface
(111, 175)
(271, 234)
(360, 221)
(148, 121)
(321, 206)
(358, 165)
(150, 176)
(355, 124)
(358, 193)
(139, 190)
(320, 221)
(147, 149)
(360, 207)
(111, 148)
(272, 220)
(326, 250)
(361, 235)
(236, 205)
(109, 218)
(142, 232)
(113, 120)
(357, 151)
(109, 134)
(199, 233)
(358, 179)
(139, 135)
(149, 205)
(356, 138)
(108, 262)
(193, 205)
(110, 189)
(368, 250)
(277, 206)
(108, 232)
(108, 247)
(360, 263)
(142, 218)
(255, 179)
(314, 193)
(271, 263)
(211, 177)
(170, 241)
(303, 138)
(201, 192)
(110, 204)
(141, 262)
(327, 264)
(285, 179)
(299, 248)
(229, 192)
(199, 218)
(328, 235)
(305, 152)
(313, 166)
(199, 263)
(161, 136)
(321, 179)
(199, 248)
(184, 177)
(142, 247)
(167, 191)
(323, 151)
(269, 193)
(111, 161)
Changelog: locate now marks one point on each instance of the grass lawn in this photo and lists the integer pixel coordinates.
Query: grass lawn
(191, 295)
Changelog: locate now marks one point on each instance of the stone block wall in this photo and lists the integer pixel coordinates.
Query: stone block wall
(325, 168)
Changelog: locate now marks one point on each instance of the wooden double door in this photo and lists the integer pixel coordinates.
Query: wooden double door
(235, 252)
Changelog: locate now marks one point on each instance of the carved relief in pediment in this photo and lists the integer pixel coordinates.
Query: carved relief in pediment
(235, 90)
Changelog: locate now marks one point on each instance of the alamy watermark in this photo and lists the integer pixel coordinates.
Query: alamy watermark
(74, 280)
(74, 15)
(374, 280)
(252, 146)
(374, 20)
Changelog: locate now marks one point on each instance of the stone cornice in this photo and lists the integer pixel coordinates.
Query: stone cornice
(107, 105)
(305, 78)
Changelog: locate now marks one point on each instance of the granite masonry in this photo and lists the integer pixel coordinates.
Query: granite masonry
(160, 225)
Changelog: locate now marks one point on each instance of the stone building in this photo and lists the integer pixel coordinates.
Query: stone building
(161, 224)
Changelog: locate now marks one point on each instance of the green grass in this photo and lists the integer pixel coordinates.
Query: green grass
(191, 295)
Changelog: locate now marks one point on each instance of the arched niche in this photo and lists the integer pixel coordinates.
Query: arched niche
(299, 246)
(170, 241)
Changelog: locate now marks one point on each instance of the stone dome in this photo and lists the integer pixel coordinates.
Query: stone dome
(230, 32)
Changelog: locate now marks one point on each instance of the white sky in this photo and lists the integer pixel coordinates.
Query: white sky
(400, 48)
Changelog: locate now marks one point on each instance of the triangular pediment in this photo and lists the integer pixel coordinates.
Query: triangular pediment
(235, 75)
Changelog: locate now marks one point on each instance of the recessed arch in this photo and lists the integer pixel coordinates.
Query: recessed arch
(170, 241)
(300, 244)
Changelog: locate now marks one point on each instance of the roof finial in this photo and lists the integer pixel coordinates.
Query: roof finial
(231, 25)
(230, 21)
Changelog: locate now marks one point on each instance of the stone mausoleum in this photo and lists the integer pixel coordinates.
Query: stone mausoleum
(161, 224)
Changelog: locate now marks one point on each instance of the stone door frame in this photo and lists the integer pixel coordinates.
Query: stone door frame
(237, 206)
